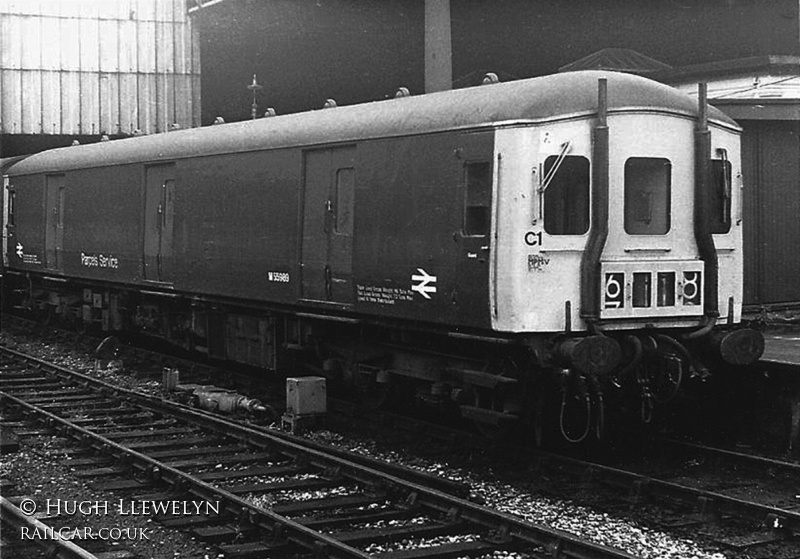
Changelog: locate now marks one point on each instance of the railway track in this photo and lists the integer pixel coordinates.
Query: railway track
(716, 484)
(270, 495)
(732, 514)
(739, 509)
(740, 501)
(16, 521)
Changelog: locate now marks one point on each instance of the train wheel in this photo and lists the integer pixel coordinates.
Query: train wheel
(495, 414)
(46, 316)
(70, 318)
(494, 432)
(375, 397)
(81, 327)
(667, 376)
(372, 386)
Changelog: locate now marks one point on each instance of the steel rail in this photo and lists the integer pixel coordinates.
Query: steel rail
(159, 471)
(232, 428)
(739, 457)
(647, 486)
(54, 545)
(644, 485)
(510, 530)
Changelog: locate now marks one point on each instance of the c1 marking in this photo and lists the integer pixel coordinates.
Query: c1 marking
(424, 278)
(533, 238)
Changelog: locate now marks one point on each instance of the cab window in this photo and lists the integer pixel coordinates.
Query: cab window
(566, 195)
(648, 185)
(477, 211)
(720, 199)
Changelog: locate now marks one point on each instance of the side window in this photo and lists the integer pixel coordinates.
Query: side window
(566, 195)
(167, 206)
(345, 190)
(477, 211)
(648, 185)
(720, 198)
(61, 196)
(12, 195)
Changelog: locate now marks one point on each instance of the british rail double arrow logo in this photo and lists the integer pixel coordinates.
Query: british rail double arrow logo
(423, 287)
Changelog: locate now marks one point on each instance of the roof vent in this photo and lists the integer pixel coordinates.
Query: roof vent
(490, 78)
(402, 92)
(330, 104)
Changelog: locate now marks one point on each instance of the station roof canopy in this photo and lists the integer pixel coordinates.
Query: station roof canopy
(787, 65)
(618, 59)
(752, 88)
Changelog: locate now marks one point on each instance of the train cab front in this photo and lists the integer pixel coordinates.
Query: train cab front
(672, 259)
(643, 208)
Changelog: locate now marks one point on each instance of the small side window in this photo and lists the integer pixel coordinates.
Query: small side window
(167, 206)
(12, 198)
(477, 209)
(720, 198)
(648, 185)
(345, 190)
(566, 195)
(62, 191)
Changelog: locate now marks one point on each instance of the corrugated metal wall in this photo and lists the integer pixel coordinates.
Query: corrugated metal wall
(97, 66)
(771, 168)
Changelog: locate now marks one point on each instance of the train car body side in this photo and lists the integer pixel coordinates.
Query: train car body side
(472, 248)
(344, 227)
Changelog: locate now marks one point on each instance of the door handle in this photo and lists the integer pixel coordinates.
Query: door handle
(328, 282)
(326, 222)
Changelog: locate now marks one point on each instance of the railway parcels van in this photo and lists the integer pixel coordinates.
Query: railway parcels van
(474, 248)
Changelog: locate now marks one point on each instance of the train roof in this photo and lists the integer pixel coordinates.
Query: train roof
(558, 96)
(7, 162)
